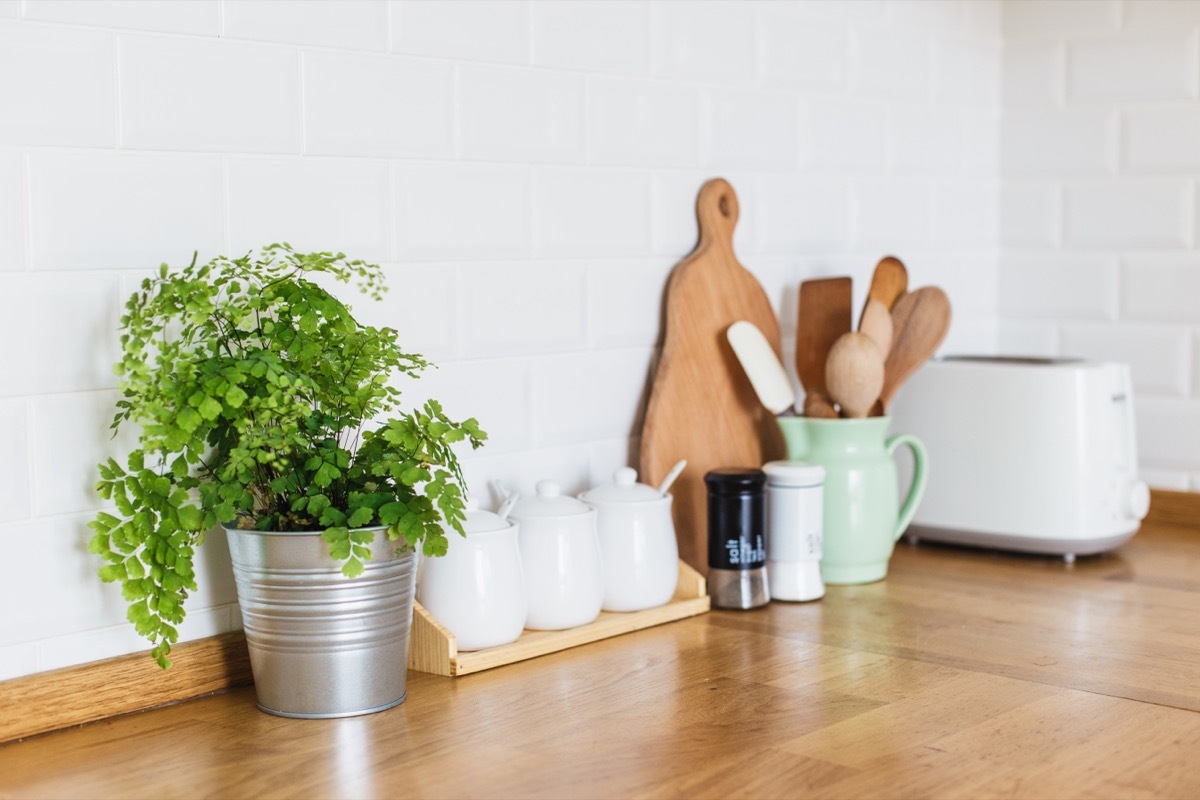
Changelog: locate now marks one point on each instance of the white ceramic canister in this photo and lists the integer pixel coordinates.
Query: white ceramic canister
(795, 491)
(637, 542)
(564, 580)
(477, 590)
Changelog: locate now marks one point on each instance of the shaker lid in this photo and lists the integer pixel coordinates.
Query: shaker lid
(481, 521)
(623, 489)
(549, 501)
(735, 480)
(794, 473)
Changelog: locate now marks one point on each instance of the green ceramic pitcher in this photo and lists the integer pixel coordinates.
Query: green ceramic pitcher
(863, 518)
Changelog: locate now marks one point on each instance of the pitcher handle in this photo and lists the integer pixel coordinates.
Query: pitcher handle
(917, 489)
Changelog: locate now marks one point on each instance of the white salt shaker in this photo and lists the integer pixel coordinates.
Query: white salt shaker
(795, 517)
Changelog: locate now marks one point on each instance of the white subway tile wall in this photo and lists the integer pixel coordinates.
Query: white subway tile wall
(526, 172)
(1100, 166)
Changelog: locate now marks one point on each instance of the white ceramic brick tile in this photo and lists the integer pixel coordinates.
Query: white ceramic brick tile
(703, 41)
(582, 397)
(1024, 338)
(1029, 214)
(57, 86)
(313, 204)
(624, 301)
(520, 472)
(889, 63)
(1161, 139)
(12, 227)
(98, 210)
(1160, 288)
(1047, 18)
(673, 204)
(966, 215)
(1058, 287)
(979, 142)
(18, 659)
(1157, 354)
(15, 497)
(1174, 480)
(923, 139)
(967, 72)
(801, 52)
(890, 214)
(472, 30)
(1133, 69)
(840, 136)
(1034, 73)
(1058, 142)
(592, 36)
(643, 123)
(1168, 431)
(508, 114)
(79, 601)
(357, 24)
(859, 11)
(1128, 214)
(983, 18)
(924, 15)
(749, 130)
(74, 353)
(521, 309)
(1196, 365)
(71, 435)
(1170, 15)
(10, 9)
(800, 214)
(496, 392)
(419, 306)
(368, 105)
(119, 640)
(609, 455)
(582, 212)
(972, 336)
(194, 17)
(968, 277)
(182, 94)
(462, 211)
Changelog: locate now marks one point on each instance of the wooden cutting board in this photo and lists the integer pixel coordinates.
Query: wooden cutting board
(702, 406)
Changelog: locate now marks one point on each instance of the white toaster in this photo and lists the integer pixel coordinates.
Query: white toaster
(1029, 454)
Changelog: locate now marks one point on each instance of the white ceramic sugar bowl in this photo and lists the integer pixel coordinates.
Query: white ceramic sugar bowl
(477, 590)
(561, 558)
(637, 542)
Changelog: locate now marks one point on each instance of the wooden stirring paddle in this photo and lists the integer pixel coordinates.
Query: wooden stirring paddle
(920, 322)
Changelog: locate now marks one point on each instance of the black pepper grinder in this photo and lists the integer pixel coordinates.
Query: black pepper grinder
(737, 556)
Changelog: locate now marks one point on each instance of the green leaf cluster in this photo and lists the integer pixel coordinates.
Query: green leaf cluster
(253, 389)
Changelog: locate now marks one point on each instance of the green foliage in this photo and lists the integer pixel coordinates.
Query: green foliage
(252, 387)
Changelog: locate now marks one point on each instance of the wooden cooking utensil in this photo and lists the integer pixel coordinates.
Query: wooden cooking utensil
(920, 321)
(824, 314)
(702, 407)
(888, 284)
(854, 374)
(877, 324)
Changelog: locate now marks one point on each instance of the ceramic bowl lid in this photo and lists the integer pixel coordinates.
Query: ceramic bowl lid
(623, 489)
(481, 521)
(549, 501)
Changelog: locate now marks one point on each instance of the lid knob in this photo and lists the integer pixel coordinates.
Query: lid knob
(547, 488)
(625, 476)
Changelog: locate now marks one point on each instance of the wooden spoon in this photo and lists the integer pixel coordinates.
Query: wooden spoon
(854, 374)
(888, 284)
(920, 322)
(824, 314)
(877, 324)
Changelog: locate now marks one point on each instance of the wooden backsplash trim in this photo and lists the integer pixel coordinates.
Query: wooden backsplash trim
(49, 701)
(72, 696)
(1176, 509)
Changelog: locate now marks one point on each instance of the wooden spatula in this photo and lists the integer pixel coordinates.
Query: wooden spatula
(825, 314)
(920, 321)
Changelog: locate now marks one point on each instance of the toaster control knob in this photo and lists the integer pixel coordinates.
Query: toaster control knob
(1137, 500)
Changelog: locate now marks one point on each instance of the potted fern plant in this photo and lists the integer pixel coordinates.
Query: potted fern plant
(265, 407)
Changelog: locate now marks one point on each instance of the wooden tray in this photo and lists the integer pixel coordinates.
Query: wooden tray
(433, 647)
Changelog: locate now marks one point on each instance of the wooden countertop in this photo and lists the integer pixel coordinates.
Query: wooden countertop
(965, 674)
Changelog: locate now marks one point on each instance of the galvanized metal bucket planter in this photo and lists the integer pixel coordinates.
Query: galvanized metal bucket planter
(323, 645)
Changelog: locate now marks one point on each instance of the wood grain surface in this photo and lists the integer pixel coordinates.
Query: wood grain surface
(702, 406)
(965, 674)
